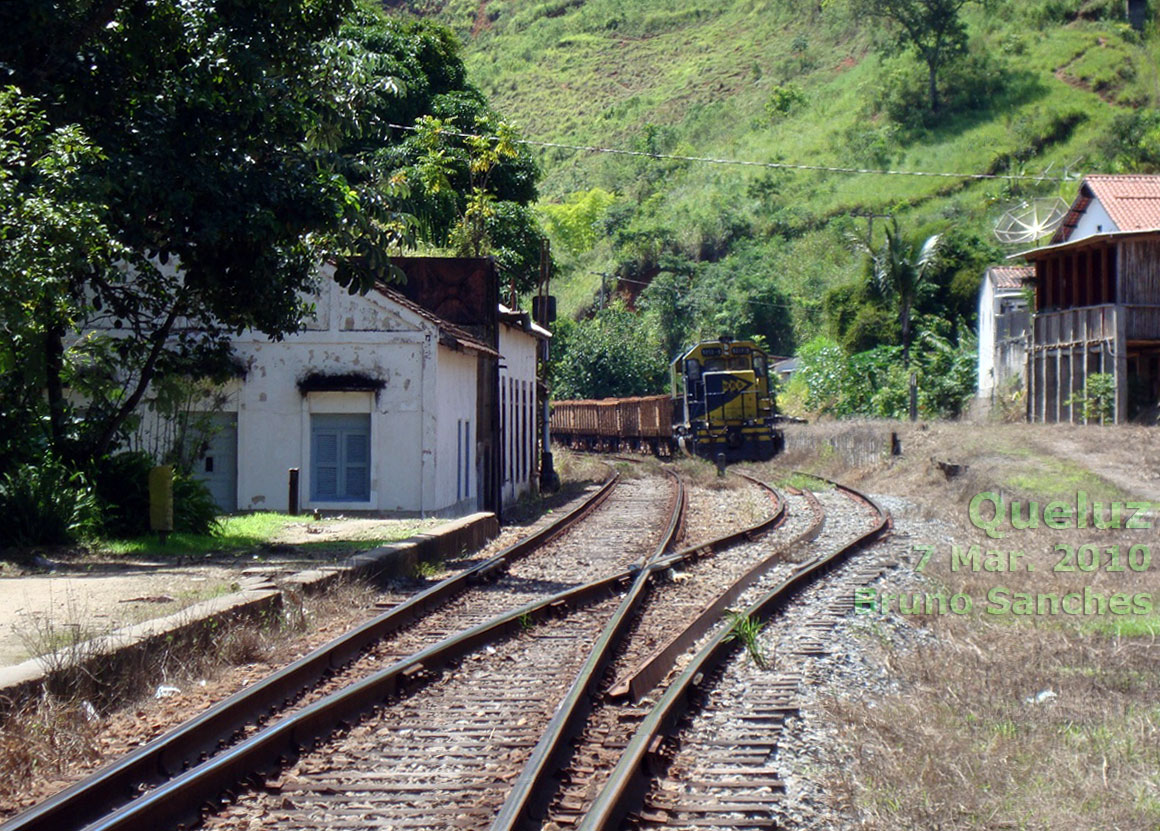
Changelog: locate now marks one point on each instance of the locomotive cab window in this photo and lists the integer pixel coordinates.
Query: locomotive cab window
(715, 365)
(759, 367)
(693, 369)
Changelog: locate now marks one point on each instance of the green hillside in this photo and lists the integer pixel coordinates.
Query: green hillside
(1043, 87)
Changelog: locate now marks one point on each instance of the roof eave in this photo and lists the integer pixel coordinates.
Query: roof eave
(1108, 236)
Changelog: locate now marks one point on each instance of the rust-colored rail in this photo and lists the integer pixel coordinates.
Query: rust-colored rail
(649, 672)
(569, 717)
(532, 790)
(629, 781)
(168, 755)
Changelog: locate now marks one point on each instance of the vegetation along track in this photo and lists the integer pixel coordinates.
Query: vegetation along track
(535, 569)
(713, 733)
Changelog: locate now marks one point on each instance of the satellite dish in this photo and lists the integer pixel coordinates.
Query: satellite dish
(1031, 221)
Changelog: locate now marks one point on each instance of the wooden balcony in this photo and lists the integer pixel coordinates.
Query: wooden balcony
(1085, 324)
(1093, 324)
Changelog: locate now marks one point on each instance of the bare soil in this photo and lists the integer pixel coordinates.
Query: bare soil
(83, 598)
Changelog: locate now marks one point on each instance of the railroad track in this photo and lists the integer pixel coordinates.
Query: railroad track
(542, 568)
(509, 697)
(704, 755)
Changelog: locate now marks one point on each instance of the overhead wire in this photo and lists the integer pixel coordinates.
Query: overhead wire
(590, 148)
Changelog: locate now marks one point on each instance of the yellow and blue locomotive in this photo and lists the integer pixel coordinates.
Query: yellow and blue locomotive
(722, 402)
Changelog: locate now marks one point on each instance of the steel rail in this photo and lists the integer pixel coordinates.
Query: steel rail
(181, 798)
(532, 791)
(629, 781)
(121, 781)
(651, 670)
(570, 715)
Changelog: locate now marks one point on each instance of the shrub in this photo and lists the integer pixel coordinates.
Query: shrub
(123, 491)
(194, 511)
(122, 486)
(782, 100)
(1097, 400)
(1132, 145)
(45, 504)
(969, 83)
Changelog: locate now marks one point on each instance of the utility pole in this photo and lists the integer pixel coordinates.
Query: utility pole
(603, 292)
(542, 314)
(870, 217)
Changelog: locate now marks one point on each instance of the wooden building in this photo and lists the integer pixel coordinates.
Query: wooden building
(1097, 301)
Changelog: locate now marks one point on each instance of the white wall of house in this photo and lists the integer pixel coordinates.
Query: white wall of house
(409, 443)
(1002, 344)
(278, 424)
(986, 382)
(455, 458)
(517, 379)
(1094, 220)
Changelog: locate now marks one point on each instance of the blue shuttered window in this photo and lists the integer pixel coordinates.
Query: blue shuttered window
(340, 458)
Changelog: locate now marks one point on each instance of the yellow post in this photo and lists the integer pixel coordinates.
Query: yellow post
(161, 499)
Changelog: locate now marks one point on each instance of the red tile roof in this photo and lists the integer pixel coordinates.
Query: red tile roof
(1011, 276)
(1131, 200)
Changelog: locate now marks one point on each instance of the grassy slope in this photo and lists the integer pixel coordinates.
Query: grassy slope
(599, 71)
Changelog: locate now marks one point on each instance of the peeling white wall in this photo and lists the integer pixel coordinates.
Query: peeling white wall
(517, 418)
(985, 377)
(274, 416)
(455, 449)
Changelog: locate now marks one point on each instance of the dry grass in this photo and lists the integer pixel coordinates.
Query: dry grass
(969, 746)
(969, 742)
(578, 467)
(46, 741)
(42, 740)
(702, 473)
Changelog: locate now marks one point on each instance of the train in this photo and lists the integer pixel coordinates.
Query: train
(720, 404)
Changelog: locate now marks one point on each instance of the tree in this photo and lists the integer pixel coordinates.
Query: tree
(609, 355)
(472, 190)
(50, 224)
(240, 145)
(932, 28)
(899, 271)
(573, 223)
(211, 122)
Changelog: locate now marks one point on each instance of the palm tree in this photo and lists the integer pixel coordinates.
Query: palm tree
(899, 272)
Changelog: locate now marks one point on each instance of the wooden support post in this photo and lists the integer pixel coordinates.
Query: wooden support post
(1103, 363)
(293, 492)
(1055, 396)
(1087, 346)
(1073, 272)
(1120, 354)
(1107, 276)
(1071, 383)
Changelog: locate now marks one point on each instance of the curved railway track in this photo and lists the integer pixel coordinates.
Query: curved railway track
(516, 694)
(726, 779)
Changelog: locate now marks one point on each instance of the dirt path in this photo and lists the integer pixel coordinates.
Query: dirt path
(77, 601)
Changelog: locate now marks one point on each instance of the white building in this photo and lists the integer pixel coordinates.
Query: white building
(1004, 321)
(519, 396)
(381, 406)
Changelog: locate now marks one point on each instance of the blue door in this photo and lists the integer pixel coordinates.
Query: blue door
(340, 458)
(218, 465)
